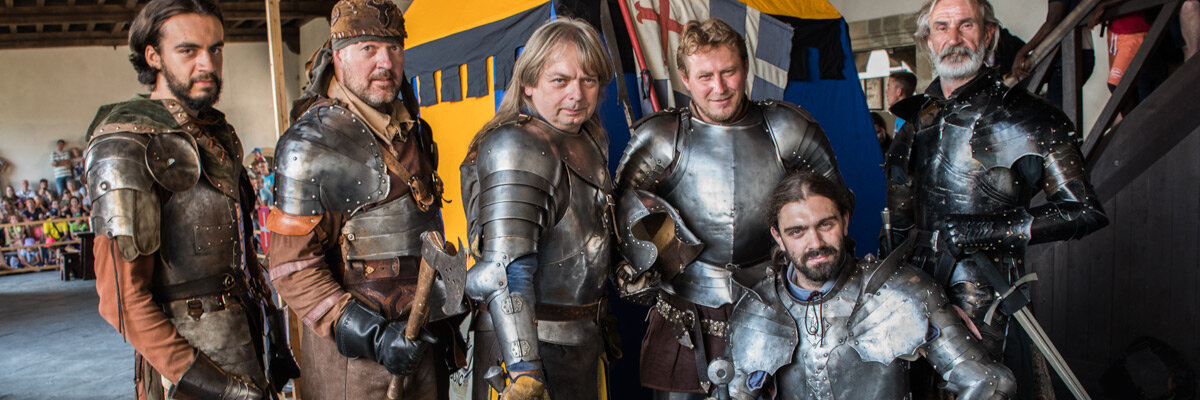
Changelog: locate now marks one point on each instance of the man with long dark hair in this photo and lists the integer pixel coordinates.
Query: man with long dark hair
(827, 325)
(175, 267)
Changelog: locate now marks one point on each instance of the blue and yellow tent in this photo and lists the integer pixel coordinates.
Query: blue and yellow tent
(461, 55)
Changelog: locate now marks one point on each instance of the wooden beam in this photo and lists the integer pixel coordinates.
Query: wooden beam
(1095, 142)
(1072, 20)
(8, 3)
(75, 39)
(275, 49)
(130, 4)
(41, 3)
(1149, 132)
(1072, 103)
(111, 13)
(116, 28)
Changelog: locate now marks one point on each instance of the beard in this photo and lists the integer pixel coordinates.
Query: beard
(817, 272)
(374, 98)
(182, 89)
(964, 68)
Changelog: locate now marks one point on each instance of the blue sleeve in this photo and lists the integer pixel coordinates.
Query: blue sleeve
(520, 276)
(756, 380)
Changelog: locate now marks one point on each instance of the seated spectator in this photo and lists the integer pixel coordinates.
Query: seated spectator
(52, 208)
(75, 210)
(31, 211)
(72, 190)
(25, 191)
(43, 186)
(10, 195)
(14, 236)
(45, 196)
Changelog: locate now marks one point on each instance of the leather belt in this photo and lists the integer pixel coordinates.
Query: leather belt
(196, 306)
(207, 286)
(561, 312)
(403, 267)
(670, 313)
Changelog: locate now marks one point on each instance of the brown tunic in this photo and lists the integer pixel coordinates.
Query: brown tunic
(307, 268)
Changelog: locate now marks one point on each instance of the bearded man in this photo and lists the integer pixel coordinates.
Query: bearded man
(962, 171)
(693, 183)
(355, 187)
(862, 320)
(175, 265)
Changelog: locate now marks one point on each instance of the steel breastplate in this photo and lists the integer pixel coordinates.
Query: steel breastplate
(574, 255)
(201, 235)
(388, 230)
(828, 366)
(954, 167)
(720, 186)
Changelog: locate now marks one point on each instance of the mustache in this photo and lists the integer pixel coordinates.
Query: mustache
(382, 75)
(827, 251)
(205, 76)
(960, 50)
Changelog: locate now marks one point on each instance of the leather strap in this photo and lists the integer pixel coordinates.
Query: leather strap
(561, 312)
(390, 268)
(212, 285)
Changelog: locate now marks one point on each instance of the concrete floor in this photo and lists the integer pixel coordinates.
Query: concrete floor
(54, 345)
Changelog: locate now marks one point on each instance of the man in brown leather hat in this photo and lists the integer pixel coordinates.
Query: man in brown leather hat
(355, 187)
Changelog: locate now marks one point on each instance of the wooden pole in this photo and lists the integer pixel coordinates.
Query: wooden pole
(275, 46)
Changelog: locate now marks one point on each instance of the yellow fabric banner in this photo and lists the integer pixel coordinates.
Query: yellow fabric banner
(807, 9)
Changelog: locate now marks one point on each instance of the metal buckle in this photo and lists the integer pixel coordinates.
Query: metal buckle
(933, 240)
(195, 308)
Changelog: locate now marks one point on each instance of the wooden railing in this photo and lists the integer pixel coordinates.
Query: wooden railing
(57, 245)
(1064, 42)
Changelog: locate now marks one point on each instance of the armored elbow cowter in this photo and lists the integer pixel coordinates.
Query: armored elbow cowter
(963, 362)
(516, 181)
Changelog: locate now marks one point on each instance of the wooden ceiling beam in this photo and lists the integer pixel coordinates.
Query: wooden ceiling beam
(112, 13)
(65, 39)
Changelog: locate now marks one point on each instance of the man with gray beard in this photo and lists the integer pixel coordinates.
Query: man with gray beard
(962, 172)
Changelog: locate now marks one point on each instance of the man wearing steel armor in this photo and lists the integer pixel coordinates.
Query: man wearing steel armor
(690, 219)
(827, 325)
(962, 172)
(175, 265)
(536, 189)
(355, 187)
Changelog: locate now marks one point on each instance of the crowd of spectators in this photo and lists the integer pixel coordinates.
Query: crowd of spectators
(28, 243)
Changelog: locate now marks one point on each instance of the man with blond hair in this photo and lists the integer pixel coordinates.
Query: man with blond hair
(536, 192)
(691, 221)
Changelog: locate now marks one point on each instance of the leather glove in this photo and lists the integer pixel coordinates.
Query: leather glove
(1009, 230)
(205, 380)
(362, 332)
(525, 387)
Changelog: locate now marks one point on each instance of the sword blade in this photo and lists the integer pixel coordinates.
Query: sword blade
(1038, 336)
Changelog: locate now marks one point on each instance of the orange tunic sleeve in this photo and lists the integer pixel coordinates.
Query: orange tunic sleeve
(300, 270)
(128, 305)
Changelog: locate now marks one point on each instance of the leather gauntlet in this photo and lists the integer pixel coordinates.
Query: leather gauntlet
(1009, 230)
(205, 380)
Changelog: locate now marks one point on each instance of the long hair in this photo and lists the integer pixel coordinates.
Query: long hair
(799, 186)
(145, 30)
(987, 15)
(545, 42)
